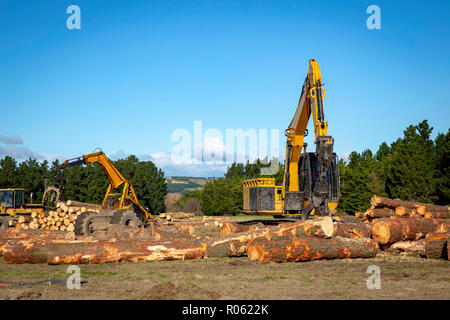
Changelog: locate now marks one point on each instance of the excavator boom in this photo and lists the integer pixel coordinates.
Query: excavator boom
(114, 176)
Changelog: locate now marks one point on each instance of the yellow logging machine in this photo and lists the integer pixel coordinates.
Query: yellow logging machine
(120, 207)
(311, 179)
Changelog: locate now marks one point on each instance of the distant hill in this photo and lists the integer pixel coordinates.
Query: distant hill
(184, 184)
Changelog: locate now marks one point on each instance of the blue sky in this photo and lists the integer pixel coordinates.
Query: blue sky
(138, 70)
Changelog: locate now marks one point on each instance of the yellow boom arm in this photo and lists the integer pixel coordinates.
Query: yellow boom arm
(310, 102)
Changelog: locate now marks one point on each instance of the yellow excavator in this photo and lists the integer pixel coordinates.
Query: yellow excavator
(120, 207)
(311, 179)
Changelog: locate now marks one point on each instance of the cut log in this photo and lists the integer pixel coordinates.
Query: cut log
(89, 252)
(399, 229)
(83, 204)
(380, 212)
(404, 211)
(24, 218)
(235, 245)
(444, 226)
(359, 214)
(437, 215)
(410, 246)
(25, 251)
(377, 201)
(353, 230)
(230, 228)
(436, 245)
(431, 207)
(311, 248)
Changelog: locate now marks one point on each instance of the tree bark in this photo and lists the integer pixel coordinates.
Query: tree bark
(399, 229)
(353, 230)
(12, 233)
(436, 245)
(25, 251)
(311, 248)
(165, 232)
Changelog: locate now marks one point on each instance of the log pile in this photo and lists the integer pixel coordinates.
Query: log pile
(186, 237)
(63, 218)
(384, 207)
(407, 226)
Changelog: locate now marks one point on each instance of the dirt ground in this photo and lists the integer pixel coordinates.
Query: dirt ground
(402, 277)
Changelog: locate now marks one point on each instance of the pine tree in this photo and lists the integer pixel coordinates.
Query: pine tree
(411, 167)
(355, 190)
(442, 174)
(8, 173)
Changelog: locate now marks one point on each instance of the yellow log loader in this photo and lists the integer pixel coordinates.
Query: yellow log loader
(120, 204)
(12, 206)
(311, 179)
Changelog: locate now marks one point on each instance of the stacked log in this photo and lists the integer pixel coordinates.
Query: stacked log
(382, 207)
(63, 218)
(353, 230)
(396, 229)
(380, 212)
(402, 207)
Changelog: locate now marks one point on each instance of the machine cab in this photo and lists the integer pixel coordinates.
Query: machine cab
(12, 198)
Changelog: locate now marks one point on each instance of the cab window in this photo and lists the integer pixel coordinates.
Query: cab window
(6, 198)
(18, 201)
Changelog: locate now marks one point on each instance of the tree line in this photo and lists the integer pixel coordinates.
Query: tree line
(87, 183)
(414, 167)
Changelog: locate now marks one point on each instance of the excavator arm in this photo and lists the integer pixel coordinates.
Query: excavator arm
(114, 176)
(310, 103)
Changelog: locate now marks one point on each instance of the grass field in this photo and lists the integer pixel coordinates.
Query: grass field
(402, 277)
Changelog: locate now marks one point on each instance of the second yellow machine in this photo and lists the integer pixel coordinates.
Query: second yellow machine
(118, 207)
(311, 179)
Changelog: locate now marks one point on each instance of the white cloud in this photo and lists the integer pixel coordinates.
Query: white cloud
(16, 151)
(11, 139)
(345, 156)
(118, 155)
